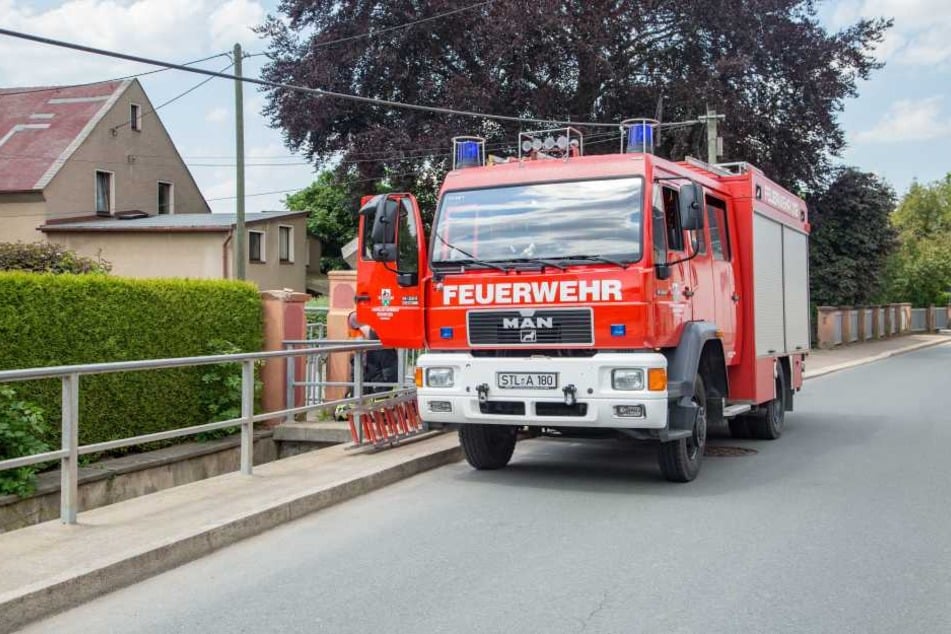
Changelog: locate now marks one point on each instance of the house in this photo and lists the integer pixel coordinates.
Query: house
(78, 152)
(194, 245)
(92, 167)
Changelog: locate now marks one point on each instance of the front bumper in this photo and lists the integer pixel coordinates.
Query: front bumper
(595, 399)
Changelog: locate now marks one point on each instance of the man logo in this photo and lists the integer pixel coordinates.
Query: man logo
(527, 322)
(528, 336)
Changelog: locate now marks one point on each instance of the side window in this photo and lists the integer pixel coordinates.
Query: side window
(675, 235)
(407, 252)
(719, 234)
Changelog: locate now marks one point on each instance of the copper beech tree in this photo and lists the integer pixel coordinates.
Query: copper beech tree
(770, 66)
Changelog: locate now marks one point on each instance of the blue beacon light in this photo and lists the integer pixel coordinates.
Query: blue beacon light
(618, 330)
(445, 332)
(468, 154)
(640, 138)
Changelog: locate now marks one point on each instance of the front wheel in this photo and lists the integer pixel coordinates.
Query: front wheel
(488, 446)
(680, 459)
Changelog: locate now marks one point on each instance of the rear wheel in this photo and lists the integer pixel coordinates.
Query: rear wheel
(680, 459)
(488, 446)
(770, 426)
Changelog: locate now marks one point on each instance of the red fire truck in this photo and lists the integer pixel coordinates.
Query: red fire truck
(586, 296)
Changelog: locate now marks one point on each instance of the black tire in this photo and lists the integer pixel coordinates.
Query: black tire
(680, 460)
(740, 427)
(488, 446)
(770, 425)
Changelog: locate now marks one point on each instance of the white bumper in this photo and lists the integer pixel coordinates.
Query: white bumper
(591, 377)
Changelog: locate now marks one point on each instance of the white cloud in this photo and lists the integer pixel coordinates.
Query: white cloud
(909, 120)
(218, 115)
(232, 22)
(166, 29)
(919, 36)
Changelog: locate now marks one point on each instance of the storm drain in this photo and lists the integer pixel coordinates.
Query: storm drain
(727, 452)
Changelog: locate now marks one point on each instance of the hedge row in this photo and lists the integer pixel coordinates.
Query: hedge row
(48, 320)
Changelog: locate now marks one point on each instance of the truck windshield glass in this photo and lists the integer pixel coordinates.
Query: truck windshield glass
(554, 221)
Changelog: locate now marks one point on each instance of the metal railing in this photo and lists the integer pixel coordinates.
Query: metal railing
(316, 329)
(70, 450)
(837, 328)
(919, 319)
(940, 318)
(867, 332)
(315, 380)
(853, 326)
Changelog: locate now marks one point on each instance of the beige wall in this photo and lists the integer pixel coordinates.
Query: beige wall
(20, 215)
(272, 274)
(138, 160)
(152, 254)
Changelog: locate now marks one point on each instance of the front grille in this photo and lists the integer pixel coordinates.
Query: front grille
(530, 327)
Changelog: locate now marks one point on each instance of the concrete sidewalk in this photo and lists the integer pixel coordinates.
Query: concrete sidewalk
(50, 567)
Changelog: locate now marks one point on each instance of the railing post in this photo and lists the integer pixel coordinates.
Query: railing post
(358, 392)
(69, 466)
(247, 413)
(289, 372)
(401, 368)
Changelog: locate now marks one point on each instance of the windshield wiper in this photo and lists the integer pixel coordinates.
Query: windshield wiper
(597, 258)
(472, 259)
(542, 261)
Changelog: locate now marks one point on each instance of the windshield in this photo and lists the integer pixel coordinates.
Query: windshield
(553, 221)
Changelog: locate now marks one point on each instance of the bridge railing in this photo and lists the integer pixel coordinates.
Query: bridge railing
(837, 325)
(70, 376)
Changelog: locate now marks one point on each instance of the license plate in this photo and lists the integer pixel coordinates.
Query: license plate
(527, 380)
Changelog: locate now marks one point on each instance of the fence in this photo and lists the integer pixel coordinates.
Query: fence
(849, 324)
(69, 453)
(316, 322)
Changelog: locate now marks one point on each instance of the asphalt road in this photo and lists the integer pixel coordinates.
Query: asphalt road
(842, 525)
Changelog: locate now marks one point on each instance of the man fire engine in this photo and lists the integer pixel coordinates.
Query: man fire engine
(614, 294)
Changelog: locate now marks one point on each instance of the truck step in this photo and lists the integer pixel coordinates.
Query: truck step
(731, 411)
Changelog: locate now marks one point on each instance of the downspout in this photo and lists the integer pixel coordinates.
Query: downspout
(224, 254)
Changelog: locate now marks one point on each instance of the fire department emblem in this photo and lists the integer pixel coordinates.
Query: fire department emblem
(386, 296)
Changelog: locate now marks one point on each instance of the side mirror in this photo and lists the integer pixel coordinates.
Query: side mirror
(691, 207)
(384, 229)
(407, 279)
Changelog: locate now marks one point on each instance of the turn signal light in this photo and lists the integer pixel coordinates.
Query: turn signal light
(418, 376)
(657, 379)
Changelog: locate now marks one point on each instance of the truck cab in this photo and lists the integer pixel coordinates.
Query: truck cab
(575, 295)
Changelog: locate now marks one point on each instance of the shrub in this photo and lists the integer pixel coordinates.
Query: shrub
(221, 389)
(44, 257)
(22, 426)
(50, 320)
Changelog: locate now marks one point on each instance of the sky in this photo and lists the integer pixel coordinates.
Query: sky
(899, 127)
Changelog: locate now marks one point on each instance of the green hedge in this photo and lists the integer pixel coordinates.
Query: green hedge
(50, 320)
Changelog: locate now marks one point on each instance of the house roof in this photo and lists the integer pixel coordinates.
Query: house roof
(170, 223)
(41, 127)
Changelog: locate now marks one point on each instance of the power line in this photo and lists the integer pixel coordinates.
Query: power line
(393, 28)
(292, 191)
(173, 99)
(313, 91)
(106, 81)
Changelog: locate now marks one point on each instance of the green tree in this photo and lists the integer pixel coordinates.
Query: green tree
(851, 239)
(920, 270)
(330, 204)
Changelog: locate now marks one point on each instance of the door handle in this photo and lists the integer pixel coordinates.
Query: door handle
(361, 298)
(735, 297)
(688, 292)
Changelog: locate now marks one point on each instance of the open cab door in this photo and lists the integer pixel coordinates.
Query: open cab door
(391, 269)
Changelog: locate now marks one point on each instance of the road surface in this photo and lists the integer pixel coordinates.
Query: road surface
(843, 525)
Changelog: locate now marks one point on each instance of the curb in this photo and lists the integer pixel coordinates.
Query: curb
(878, 357)
(47, 598)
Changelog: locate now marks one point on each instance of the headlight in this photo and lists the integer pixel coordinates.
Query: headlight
(439, 377)
(627, 379)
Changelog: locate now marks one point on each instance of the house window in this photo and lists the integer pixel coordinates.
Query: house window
(135, 117)
(256, 246)
(105, 193)
(286, 247)
(166, 198)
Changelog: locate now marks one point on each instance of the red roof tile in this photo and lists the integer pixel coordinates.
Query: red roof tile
(41, 127)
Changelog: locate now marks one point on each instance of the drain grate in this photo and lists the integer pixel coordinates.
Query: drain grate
(728, 452)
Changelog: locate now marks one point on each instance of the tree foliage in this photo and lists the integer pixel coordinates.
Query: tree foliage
(769, 65)
(851, 239)
(920, 271)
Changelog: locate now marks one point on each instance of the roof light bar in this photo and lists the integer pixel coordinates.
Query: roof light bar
(554, 143)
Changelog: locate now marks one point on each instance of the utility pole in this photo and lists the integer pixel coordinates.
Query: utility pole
(241, 240)
(714, 142)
